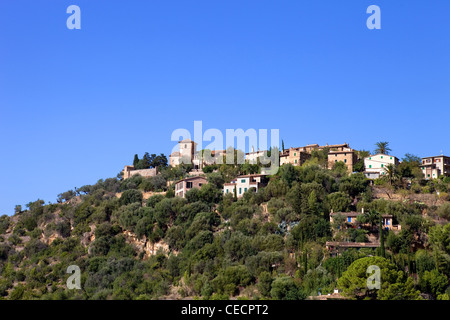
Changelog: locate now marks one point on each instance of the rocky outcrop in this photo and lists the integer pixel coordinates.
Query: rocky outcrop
(143, 245)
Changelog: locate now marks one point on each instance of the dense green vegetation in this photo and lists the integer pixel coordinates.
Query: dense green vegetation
(266, 245)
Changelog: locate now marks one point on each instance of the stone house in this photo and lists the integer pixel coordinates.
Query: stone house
(346, 155)
(184, 185)
(129, 171)
(351, 219)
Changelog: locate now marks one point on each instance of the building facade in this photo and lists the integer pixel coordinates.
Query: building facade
(184, 185)
(433, 167)
(375, 165)
(186, 154)
(129, 171)
(298, 156)
(252, 157)
(243, 183)
(346, 155)
(294, 156)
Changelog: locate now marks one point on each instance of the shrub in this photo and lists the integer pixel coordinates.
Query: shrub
(284, 288)
(4, 223)
(444, 211)
(130, 196)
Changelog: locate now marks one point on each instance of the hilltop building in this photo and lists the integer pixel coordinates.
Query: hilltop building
(253, 156)
(346, 155)
(129, 171)
(298, 156)
(187, 154)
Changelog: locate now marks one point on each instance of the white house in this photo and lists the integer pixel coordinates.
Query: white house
(243, 183)
(253, 156)
(375, 165)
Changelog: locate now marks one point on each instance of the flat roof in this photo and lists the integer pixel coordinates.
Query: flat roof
(355, 214)
(381, 154)
(441, 156)
(344, 151)
(191, 178)
(353, 244)
(186, 141)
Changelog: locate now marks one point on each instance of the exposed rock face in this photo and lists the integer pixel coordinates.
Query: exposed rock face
(48, 240)
(88, 237)
(152, 249)
(146, 246)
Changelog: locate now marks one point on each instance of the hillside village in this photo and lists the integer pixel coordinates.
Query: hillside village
(196, 227)
(378, 165)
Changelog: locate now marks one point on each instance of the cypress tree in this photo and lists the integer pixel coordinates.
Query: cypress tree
(305, 260)
(136, 160)
(382, 251)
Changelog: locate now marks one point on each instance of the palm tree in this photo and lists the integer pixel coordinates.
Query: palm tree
(382, 147)
(390, 173)
(370, 217)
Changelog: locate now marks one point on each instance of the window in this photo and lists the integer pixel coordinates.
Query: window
(335, 154)
(227, 190)
(240, 190)
(185, 146)
(188, 185)
(387, 222)
(370, 166)
(335, 161)
(345, 160)
(391, 158)
(381, 157)
(370, 158)
(349, 219)
(295, 154)
(382, 165)
(245, 189)
(428, 175)
(242, 180)
(345, 154)
(295, 161)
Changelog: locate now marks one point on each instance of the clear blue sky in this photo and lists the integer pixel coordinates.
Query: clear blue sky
(76, 105)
